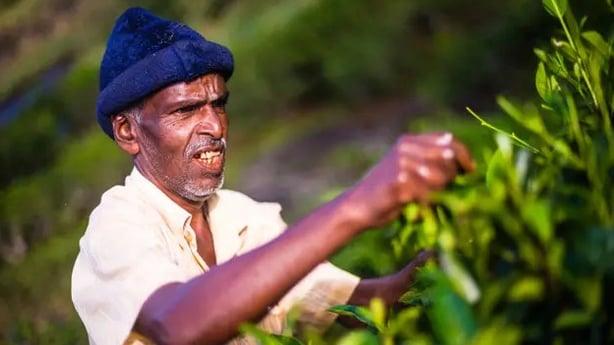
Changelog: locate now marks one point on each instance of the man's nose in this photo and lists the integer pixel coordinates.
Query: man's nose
(210, 122)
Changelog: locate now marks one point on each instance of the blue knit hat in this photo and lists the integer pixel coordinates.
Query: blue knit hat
(146, 53)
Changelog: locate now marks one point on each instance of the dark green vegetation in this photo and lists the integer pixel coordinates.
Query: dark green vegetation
(526, 243)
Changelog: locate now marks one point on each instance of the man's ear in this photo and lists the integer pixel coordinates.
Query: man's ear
(124, 132)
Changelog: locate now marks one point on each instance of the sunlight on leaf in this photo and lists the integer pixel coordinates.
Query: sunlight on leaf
(526, 289)
(573, 319)
(359, 313)
(359, 338)
(556, 8)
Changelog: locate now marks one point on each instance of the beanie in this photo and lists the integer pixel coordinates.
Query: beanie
(145, 53)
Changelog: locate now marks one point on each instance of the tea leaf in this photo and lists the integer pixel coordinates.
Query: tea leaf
(556, 8)
(537, 214)
(526, 288)
(541, 84)
(265, 338)
(452, 319)
(573, 319)
(541, 54)
(359, 313)
(597, 41)
(414, 298)
(462, 281)
(529, 119)
(498, 332)
(361, 337)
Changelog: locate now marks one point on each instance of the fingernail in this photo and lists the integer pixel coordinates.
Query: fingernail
(423, 171)
(447, 154)
(444, 139)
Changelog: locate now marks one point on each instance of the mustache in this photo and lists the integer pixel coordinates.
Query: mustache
(208, 144)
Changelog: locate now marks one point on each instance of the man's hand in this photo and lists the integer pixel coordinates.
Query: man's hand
(388, 288)
(416, 166)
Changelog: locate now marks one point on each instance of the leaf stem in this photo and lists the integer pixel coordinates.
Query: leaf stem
(512, 136)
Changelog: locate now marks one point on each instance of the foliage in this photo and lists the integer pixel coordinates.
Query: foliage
(526, 244)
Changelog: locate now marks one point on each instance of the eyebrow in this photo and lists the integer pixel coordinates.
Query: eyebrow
(223, 97)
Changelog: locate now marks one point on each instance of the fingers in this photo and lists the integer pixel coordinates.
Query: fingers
(428, 162)
(438, 146)
(423, 257)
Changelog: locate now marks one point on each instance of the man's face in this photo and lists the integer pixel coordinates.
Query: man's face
(182, 138)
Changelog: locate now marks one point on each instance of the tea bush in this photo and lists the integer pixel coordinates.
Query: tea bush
(526, 244)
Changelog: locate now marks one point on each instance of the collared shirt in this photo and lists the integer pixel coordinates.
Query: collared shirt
(138, 240)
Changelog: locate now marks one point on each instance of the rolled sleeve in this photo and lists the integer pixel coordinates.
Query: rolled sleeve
(324, 287)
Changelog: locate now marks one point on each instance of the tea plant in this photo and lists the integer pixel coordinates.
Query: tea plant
(526, 244)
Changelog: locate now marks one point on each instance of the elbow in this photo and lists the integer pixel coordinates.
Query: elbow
(159, 332)
(164, 330)
(169, 329)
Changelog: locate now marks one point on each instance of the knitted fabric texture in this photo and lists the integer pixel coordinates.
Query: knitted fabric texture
(146, 53)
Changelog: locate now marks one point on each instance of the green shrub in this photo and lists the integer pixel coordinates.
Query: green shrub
(526, 244)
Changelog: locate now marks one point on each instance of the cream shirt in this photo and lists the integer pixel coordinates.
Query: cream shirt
(138, 239)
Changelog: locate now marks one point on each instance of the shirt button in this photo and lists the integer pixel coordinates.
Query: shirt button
(188, 237)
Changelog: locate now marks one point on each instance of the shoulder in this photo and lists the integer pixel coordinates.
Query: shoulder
(259, 222)
(119, 229)
(230, 201)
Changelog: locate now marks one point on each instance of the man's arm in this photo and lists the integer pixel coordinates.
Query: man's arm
(209, 308)
(389, 288)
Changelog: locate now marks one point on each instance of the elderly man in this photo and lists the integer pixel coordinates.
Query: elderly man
(171, 258)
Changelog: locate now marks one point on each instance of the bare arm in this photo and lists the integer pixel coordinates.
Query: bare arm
(209, 308)
(389, 288)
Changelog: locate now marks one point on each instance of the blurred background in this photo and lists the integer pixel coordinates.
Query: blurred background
(320, 90)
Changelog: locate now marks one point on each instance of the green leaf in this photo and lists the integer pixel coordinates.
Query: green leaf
(496, 175)
(360, 313)
(541, 55)
(498, 332)
(589, 291)
(556, 8)
(530, 118)
(538, 215)
(573, 319)
(415, 298)
(361, 337)
(597, 41)
(452, 319)
(526, 288)
(541, 84)
(462, 281)
(265, 338)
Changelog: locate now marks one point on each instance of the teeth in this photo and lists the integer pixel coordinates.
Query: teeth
(208, 155)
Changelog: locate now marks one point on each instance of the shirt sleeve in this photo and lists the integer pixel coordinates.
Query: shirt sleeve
(119, 266)
(324, 287)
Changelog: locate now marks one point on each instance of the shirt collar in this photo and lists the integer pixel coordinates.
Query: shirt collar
(175, 217)
(225, 221)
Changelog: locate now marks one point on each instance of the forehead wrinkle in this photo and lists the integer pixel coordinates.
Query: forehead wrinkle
(210, 87)
(205, 88)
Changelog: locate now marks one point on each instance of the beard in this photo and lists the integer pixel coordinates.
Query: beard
(195, 189)
(188, 189)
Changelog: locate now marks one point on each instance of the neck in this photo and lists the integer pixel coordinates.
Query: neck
(194, 207)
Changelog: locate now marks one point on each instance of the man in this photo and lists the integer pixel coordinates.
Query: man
(171, 258)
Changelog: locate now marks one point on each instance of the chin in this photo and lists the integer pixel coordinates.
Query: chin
(204, 192)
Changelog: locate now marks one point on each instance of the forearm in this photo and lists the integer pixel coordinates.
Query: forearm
(389, 288)
(209, 308)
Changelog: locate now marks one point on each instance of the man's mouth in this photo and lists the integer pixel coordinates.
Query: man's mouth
(210, 159)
